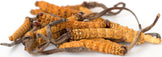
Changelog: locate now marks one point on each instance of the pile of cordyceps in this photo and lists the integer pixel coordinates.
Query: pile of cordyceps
(76, 29)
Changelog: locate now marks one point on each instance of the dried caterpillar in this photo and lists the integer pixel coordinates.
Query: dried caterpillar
(103, 46)
(81, 7)
(56, 10)
(60, 12)
(84, 10)
(147, 39)
(128, 35)
(21, 30)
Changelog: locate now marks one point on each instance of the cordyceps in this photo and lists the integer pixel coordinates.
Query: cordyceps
(112, 26)
(52, 27)
(125, 34)
(83, 7)
(103, 46)
(56, 10)
(21, 30)
(77, 24)
(61, 11)
(70, 24)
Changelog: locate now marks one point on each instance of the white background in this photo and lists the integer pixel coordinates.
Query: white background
(13, 13)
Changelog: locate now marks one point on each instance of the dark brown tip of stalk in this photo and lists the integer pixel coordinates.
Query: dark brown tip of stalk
(157, 17)
(125, 49)
(37, 3)
(157, 35)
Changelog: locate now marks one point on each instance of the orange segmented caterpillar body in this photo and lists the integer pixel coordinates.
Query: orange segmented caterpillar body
(21, 30)
(148, 38)
(128, 35)
(103, 46)
(85, 10)
(43, 4)
(44, 18)
(56, 10)
(60, 11)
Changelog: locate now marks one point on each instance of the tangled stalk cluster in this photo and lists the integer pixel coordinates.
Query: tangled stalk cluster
(77, 29)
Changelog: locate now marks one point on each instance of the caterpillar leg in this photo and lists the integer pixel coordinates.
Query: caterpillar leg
(18, 41)
(70, 49)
